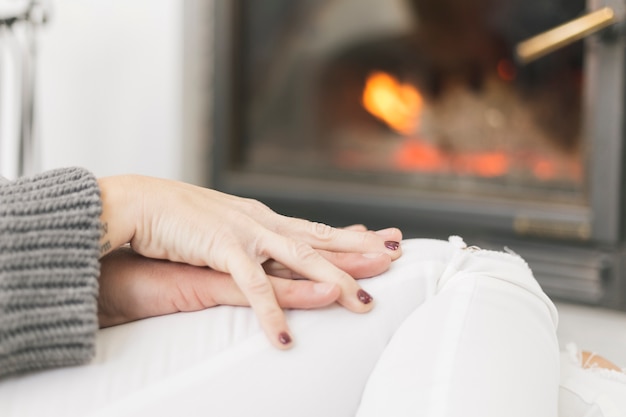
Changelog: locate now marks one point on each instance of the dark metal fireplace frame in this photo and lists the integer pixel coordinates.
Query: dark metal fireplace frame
(578, 253)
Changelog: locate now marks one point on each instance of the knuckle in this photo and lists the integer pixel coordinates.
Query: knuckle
(304, 252)
(321, 231)
(368, 239)
(259, 285)
(225, 258)
(250, 205)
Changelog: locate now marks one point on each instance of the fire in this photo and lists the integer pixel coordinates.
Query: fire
(415, 155)
(397, 104)
(400, 106)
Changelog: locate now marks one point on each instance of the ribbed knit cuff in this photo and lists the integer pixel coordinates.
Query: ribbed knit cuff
(49, 268)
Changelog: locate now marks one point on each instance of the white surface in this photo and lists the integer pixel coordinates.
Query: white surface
(209, 362)
(218, 362)
(594, 329)
(110, 84)
(483, 345)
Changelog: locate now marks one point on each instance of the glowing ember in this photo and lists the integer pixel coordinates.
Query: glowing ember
(415, 155)
(400, 106)
(397, 104)
(484, 164)
(544, 170)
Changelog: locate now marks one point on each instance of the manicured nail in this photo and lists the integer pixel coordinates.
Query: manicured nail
(284, 338)
(364, 297)
(392, 245)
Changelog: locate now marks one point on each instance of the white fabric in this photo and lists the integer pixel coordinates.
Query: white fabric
(484, 344)
(471, 333)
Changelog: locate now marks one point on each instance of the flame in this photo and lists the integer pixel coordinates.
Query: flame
(397, 104)
(400, 105)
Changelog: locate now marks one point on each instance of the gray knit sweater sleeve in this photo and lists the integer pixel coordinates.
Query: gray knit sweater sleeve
(49, 268)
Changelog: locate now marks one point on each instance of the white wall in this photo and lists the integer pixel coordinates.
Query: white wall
(110, 86)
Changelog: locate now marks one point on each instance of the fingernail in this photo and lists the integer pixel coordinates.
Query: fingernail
(364, 297)
(392, 245)
(323, 287)
(385, 232)
(284, 338)
(372, 255)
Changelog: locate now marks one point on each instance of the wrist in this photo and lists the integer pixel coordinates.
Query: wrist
(119, 212)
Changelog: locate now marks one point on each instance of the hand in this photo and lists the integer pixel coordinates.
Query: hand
(180, 222)
(134, 287)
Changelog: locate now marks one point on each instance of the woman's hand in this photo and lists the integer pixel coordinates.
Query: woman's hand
(180, 222)
(134, 287)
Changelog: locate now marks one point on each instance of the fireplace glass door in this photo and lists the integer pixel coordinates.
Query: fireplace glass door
(439, 117)
(425, 95)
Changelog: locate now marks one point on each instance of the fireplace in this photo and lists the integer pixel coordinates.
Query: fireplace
(423, 114)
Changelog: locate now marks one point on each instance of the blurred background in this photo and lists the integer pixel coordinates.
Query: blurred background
(498, 120)
(416, 113)
(109, 87)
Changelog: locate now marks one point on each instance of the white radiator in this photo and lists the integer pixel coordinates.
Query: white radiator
(19, 20)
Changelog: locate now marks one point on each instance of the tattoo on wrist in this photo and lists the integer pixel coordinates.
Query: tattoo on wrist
(106, 246)
(104, 229)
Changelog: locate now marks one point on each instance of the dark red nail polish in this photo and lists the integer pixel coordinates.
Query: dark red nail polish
(392, 245)
(284, 338)
(364, 297)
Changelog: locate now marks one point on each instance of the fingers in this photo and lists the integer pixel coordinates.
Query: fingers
(256, 287)
(355, 264)
(133, 287)
(304, 294)
(307, 262)
(289, 294)
(358, 265)
(350, 239)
